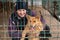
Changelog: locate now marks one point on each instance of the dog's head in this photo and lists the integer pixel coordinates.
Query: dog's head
(33, 21)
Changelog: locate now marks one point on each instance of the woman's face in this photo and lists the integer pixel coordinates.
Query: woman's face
(21, 12)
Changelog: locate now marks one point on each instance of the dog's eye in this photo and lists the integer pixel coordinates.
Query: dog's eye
(34, 21)
(30, 21)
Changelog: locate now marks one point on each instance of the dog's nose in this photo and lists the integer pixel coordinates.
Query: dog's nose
(32, 26)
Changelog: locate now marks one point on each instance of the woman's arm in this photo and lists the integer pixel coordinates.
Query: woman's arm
(12, 28)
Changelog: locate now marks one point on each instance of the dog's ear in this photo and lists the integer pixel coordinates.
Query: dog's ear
(28, 16)
(37, 17)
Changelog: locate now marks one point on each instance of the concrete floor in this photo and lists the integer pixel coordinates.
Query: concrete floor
(51, 21)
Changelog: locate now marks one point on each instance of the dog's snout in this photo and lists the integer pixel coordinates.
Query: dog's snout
(31, 26)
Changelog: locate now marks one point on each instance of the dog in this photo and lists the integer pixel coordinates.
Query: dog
(33, 28)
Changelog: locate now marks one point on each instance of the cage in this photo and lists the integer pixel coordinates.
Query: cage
(41, 8)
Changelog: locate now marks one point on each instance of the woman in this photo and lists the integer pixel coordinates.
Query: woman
(18, 20)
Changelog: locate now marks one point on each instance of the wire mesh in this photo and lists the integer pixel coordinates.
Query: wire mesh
(45, 6)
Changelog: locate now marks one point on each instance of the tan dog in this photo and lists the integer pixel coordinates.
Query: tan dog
(33, 28)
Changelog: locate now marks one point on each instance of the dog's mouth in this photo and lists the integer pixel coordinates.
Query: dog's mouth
(32, 27)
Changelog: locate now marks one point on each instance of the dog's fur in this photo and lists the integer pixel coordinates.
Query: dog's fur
(33, 22)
